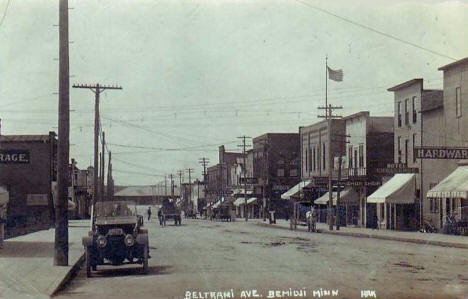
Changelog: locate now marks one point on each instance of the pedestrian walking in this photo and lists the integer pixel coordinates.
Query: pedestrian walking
(160, 217)
(149, 213)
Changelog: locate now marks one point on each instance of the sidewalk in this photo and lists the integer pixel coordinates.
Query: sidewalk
(26, 262)
(412, 237)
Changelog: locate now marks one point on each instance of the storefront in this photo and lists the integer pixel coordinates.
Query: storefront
(349, 203)
(296, 190)
(395, 203)
(450, 197)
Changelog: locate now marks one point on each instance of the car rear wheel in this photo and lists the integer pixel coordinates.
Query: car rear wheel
(88, 262)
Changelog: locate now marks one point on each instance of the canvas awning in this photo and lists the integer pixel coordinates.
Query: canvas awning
(453, 186)
(294, 191)
(347, 196)
(239, 201)
(400, 189)
(251, 200)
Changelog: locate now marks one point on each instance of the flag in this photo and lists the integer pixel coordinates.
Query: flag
(335, 75)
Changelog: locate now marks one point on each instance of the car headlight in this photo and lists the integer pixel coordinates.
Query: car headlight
(101, 241)
(129, 240)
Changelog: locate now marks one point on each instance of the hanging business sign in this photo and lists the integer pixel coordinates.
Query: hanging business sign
(363, 183)
(37, 200)
(14, 156)
(437, 152)
(249, 181)
(394, 168)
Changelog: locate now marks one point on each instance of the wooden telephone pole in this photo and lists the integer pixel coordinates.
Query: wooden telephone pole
(110, 180)
(329, 116)
(190, 186)
(103, 163)
(244, 155)
(63, 150)
(96, 89)
(204, 161)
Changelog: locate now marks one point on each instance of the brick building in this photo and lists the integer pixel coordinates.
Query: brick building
(277, 168)
(27, 170)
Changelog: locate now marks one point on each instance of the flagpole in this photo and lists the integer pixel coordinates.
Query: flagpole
(330, 159)
(326, 85)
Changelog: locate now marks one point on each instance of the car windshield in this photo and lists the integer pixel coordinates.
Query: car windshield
(115, 208)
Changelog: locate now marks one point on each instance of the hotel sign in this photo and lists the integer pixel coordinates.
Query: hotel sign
(434, 152)
(394, 168)
(14, 156)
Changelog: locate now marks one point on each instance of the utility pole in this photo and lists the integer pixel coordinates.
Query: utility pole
(103, 159)
(109, 178)
(339, 140)
(244, 155)
(172, 186)
(180, 173)
(329, 116)
(204, 161)
(190, 186)
(96, 89)
(165, 185)
(63, 150)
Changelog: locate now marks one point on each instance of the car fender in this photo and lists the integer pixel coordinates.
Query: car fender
(142, 239)
(87, 241)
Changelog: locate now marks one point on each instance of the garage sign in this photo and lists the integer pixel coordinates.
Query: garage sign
(14, 157)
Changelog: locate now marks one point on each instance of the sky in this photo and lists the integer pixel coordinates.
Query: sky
(197, 74)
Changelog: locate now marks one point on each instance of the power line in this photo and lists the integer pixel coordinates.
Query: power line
(5, 12)
(136, 172)
(375, 30)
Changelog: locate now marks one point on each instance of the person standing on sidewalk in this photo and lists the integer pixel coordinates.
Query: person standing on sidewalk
(2, 224)
(4, 198)
(149, 213)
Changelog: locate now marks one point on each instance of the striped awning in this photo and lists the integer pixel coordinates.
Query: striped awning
(347, 196)
(294, 191)
(453, 186)
(400, 189)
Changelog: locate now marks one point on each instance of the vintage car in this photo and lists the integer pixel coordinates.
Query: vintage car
(117, 237)
(169, 211)
(225, 212)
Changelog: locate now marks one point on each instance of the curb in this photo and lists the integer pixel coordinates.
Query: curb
(381, 237)
(66, 279)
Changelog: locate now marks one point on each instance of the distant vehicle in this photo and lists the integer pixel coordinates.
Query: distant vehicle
(117, 237)
(223, 212)
(170, 211)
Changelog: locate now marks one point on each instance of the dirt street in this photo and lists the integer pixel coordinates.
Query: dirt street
(244, 260)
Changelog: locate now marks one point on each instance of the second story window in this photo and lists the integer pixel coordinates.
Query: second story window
(406, 112)
(458, 102)
(399, 149)
(350, 157)
(406, 151)
(314, 161)
(280, 172)
(414, 144)
(361, 155)
(399, 114)
(293, 172)
(323, 154)
(415, 115)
